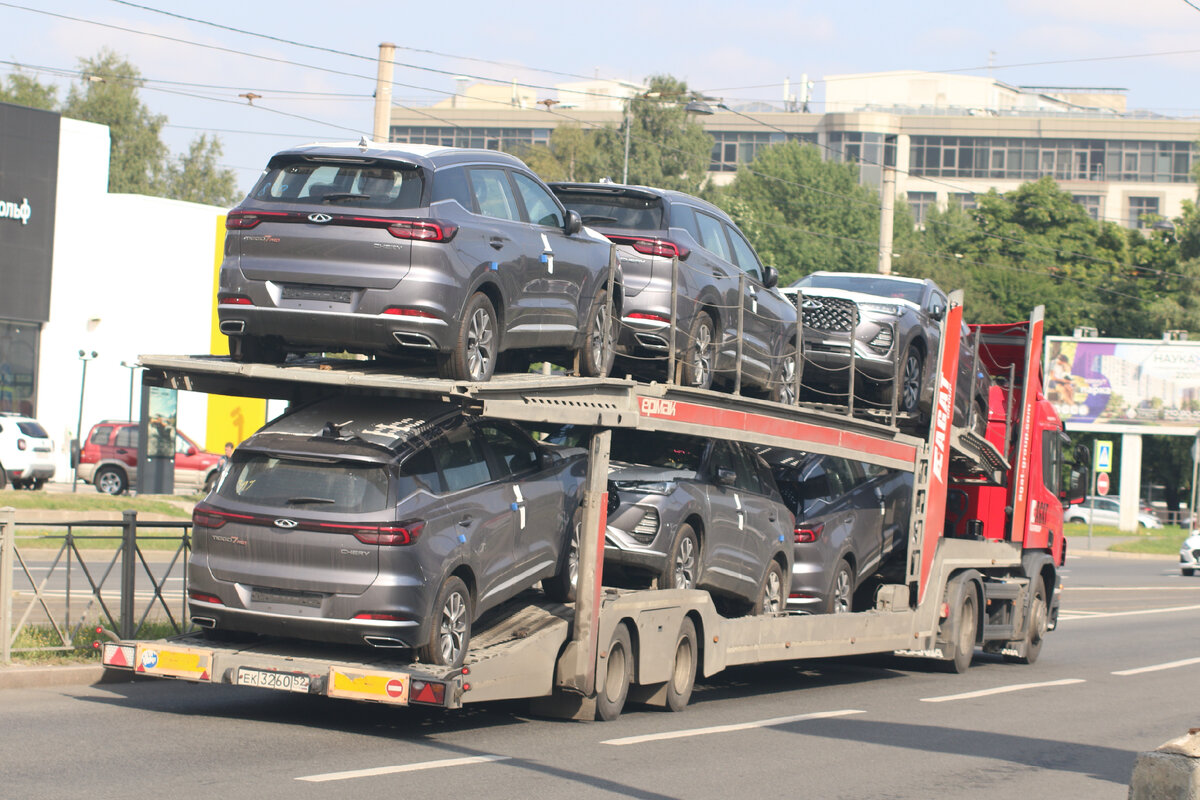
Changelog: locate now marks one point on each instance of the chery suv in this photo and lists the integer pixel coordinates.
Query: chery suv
(414, 252)
(109, 459)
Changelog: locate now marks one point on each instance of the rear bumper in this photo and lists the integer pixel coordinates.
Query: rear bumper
(334, 330)
(406, 633)
(37, 471)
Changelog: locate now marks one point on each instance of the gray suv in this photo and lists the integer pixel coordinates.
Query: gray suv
(652, 228)
(390, 523)
(414, 252)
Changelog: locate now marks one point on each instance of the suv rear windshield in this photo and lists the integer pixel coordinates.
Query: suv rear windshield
(325, 486)
(365, 184)
(668, 450)
(615, 211)
(33, 429)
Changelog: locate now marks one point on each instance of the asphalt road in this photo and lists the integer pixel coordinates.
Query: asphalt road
(1108, 685)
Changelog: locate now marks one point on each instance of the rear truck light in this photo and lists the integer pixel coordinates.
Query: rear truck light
(213, 520)
(945, 612)
(201, 597)
(424, 230)
(651, 317)
(809, 533)
(800, 596)
(21, 445)
(244, 220)
(429, 693)
(409, 312)
(235, 301)
(653, 247)
(121, 656)
(377, 617)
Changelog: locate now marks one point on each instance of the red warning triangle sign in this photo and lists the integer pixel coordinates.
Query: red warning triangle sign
(118, 659)
(426, 694)
(204, 675)
(139, 668)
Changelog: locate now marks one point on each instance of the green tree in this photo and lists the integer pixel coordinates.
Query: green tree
(25, 90)
(803, 213)
(197, 178)
(667, 148)
(570, 156)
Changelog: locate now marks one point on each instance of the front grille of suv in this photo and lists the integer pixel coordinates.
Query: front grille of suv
(829, 313)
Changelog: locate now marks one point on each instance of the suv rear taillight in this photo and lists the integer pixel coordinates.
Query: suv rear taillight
(653, 247)
(244, 220)
(235, 300)
(21, 445)
(810, 533)
(205, 598)
(213, 520)
(400, 533)
(424, 230)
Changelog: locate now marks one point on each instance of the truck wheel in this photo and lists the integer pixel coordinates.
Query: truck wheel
(600, 342)
(111, 480)
(561, 587)
(475, 348)
(683, 673)
(966, 626)
(614, 676)
(772, 596)
(683, 562)
(700, 353)
(450, 630)
(841, 592)
(1035, 630)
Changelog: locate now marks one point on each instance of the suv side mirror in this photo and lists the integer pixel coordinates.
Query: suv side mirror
(770, 277)
(191, 451)
(726, 476)
(574, 223)
(938, 312)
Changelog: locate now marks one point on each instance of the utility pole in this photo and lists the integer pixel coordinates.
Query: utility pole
(887, 198)
(383, 93)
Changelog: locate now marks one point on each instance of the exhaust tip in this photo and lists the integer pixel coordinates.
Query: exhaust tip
(384, 641)
(204, 622)
(233, 326)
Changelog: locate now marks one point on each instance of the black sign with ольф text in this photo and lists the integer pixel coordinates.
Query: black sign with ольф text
(28, 189)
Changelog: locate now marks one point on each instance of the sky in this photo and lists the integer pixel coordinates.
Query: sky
(737, 53)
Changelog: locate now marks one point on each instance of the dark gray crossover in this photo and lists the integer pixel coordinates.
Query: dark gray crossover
(697, 513)
(719, 280)
(390, 523)
(851, 523)
(898, 333)
(461, 257)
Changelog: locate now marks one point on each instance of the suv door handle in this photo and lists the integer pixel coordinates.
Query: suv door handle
(466, 520)
(497, 241)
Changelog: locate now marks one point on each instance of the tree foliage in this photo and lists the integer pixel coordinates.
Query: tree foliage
(196, 177)
(22, 89)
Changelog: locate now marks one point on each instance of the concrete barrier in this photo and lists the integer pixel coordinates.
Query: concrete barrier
(1172, 772)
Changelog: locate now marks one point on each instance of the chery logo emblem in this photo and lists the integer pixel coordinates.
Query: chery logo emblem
(287, 524)
(812, 305)
(319, 218)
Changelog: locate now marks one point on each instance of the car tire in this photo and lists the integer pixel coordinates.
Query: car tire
(840, 598)
(613, 675)
(683, 561)
(3, 477)
(111, 480)
(210, 482)
(1035, 631)
(965, 630)
(772, 594)
(1077, 521)
(700, 352)
(911, 381)
(255, 350)
(1187, 571)
(450, 626)
(476, 347)
(783, 383)
(561, 586)
(600, 340)
(683, 671)
(36, 484)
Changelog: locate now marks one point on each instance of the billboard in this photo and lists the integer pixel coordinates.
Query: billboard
(1124, 384)
(28, 186)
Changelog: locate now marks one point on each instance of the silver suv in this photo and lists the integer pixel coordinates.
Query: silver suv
(411, 251)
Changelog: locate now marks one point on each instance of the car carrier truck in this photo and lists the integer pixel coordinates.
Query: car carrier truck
(981, 568)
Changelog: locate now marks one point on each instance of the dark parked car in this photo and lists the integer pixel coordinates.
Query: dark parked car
(389, 523)
(432, 253)
(851, 520)
(898, 324)
(697, 513)
(651, 228)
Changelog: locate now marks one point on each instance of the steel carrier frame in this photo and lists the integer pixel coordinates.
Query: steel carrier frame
(559, 656)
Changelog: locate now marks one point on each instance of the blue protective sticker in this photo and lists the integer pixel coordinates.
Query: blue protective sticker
(494, 266)
(545, 258)
(462, 539)
(515, 507)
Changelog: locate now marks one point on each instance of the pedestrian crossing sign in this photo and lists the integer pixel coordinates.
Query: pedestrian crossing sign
(1104, 455)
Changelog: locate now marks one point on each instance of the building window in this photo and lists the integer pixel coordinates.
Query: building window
(1139, 207)
(1090, 203)
(963, 200)
(731, 148)
(920, 203)
(18, 367)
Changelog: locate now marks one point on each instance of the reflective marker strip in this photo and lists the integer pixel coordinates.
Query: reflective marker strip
(366, 773)
(741, 726)
(1000, 690)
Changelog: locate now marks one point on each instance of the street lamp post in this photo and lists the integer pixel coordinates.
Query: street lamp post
(85, 357)
(131, 368)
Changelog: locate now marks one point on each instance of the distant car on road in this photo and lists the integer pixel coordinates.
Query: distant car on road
(109, 459)
(26, 452)
(1189, 554)
(1107, 511)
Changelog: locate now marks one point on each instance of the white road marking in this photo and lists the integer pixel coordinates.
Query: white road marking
(740, 726)
(1104, 614)
(1016, 687)
(1131, 588)
(1156, 667)
(366, 773)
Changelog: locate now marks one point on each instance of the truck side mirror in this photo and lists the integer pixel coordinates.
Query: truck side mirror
(1077, 490)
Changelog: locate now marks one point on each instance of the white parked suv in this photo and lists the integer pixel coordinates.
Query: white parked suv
(1107, 511)
(26, 452)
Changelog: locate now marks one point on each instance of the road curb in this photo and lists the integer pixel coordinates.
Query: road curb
(44, 677)
(1078, 553)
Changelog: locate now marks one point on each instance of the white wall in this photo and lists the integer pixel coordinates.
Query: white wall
(131, 275)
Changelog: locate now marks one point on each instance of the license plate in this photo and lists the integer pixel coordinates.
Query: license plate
(305, 599)
(297, 292)
(266, 679)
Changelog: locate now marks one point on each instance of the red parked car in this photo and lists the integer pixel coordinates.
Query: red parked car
(109, 459)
